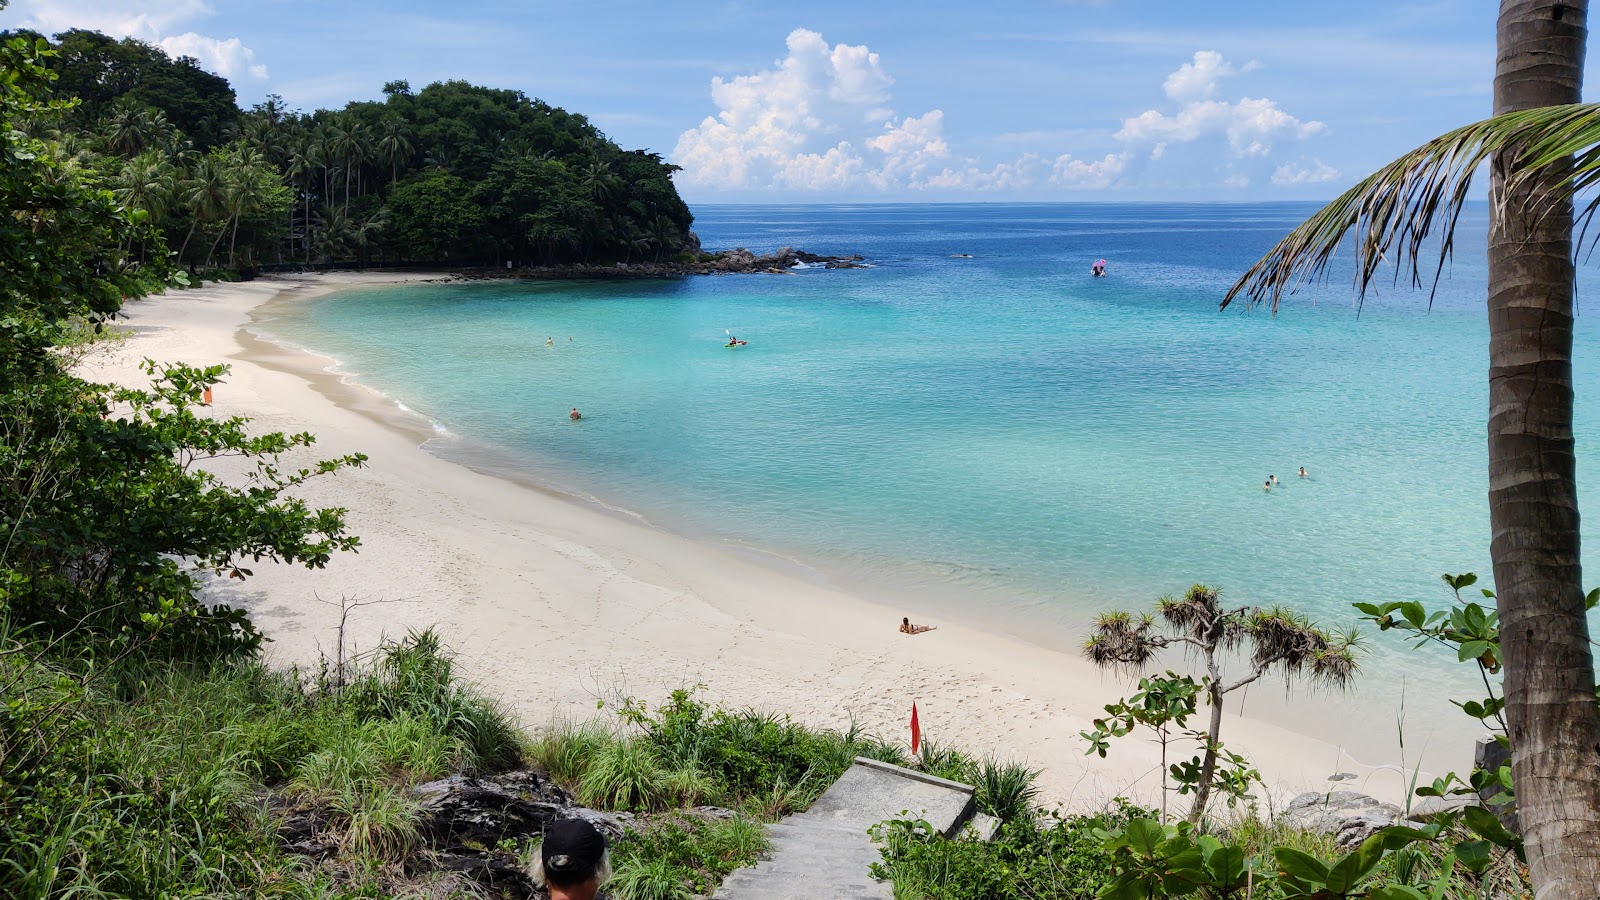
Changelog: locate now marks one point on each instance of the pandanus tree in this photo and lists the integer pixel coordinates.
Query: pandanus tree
(1542, 149)
(1270, 641)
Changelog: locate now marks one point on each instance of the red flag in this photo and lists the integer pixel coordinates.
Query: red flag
(916, 730)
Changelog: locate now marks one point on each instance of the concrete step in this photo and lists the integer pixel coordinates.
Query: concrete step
(825, 852)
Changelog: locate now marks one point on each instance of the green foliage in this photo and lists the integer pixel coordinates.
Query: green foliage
(1472, 631)
(104, 492)
(1275, 640)
(678, 857)
(145, 782)
(1052, 858)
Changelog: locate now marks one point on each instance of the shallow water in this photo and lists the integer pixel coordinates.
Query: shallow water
(1002, 433)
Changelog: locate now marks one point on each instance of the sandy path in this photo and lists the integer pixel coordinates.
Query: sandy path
(553, 604)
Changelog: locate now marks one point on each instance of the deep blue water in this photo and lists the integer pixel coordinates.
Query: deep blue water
(1003, 435)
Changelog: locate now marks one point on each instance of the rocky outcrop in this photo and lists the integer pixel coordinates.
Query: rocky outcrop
(737, 261)
(465, 823)
(1349, 816)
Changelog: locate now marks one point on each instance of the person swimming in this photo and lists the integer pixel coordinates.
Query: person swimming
(1267, 485)
(1303, 472)
(907, 628)
(549, 342)
(1273, 480)
(574, 415)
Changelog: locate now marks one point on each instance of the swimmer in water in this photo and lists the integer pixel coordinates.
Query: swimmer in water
(549, 342)
(574, 415)
(1273, 479)
(1267, 485)
(1303, 472)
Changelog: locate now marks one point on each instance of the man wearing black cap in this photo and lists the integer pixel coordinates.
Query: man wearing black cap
(572, 862)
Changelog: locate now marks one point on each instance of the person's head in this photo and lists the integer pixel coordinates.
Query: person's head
(905, 620)
(573, 859)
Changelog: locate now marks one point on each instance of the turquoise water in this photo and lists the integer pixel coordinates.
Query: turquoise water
(1001, 435)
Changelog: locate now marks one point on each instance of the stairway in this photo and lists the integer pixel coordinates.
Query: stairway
(824, 853)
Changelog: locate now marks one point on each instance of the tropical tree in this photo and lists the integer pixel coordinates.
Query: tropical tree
(1277, 641)
(205, 195)
(1533, 508)
(393, 145)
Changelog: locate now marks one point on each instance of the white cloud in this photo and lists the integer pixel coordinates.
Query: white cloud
(1250, 125)
(230, 58)
(151, 21)
(1314, 172)
(821, 120)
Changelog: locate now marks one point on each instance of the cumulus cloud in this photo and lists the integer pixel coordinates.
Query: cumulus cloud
(1314, 172)
(1250, 125)
(229, 58)
(152, 21)
(821, 119)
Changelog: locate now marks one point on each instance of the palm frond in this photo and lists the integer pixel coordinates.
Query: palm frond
(1390, 214)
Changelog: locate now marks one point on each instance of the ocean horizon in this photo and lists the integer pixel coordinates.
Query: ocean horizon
(975, 426)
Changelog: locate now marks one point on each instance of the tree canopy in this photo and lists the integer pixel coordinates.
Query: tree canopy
(453, 174)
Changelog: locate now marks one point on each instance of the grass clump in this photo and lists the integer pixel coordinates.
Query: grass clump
(147, 778)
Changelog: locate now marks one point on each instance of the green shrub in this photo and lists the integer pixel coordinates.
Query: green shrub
(1057, 858)
(650, 878)
(380, 822)
(625, 775)
(1004, 790)
(676, 857)
(564, 751)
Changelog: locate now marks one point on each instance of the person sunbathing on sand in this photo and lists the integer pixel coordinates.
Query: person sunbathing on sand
(907, 628)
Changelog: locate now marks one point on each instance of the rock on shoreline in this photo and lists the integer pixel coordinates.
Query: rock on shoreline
(737, 261)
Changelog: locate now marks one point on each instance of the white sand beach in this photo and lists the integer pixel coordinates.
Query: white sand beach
(554, 605)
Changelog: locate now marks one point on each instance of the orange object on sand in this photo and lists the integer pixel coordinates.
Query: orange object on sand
(916, 730)
(205, 396)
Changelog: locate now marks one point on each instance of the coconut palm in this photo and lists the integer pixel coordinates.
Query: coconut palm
(131, 128)
(598, 180)
(347, 141)
(393, 145)
(205, 194)
(1533, 505)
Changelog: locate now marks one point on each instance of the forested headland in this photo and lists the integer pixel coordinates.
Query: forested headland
(452, 174)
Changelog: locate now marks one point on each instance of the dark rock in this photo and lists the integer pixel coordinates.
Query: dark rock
(461, 811)
(306, 833)
(1350, 817)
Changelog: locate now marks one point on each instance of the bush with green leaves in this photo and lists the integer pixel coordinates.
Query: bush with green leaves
(1050, 857)
(678, 857)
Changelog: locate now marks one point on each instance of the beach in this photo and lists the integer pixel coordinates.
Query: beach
(557, 605)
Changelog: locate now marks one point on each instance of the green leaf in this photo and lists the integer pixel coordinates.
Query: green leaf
(1592, 599)
(1225, 867)
(1143, 836)
(1475, 855)
(1472, 650)
(1349, 871)
(1487, 825)
(1300, 865)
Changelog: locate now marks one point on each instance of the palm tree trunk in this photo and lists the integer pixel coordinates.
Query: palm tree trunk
(209, 253)
(192, 226)
(1533, 503)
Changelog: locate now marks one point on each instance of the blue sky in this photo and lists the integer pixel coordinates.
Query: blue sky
(901, 101)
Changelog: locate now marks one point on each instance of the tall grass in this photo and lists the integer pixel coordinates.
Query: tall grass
(147, 780)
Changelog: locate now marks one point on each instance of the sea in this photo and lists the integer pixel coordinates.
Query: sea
(974, 427)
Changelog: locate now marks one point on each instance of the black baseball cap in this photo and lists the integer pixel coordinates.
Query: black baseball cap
(571, 851)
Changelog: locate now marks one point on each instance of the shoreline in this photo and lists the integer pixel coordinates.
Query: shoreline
(553, 603)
